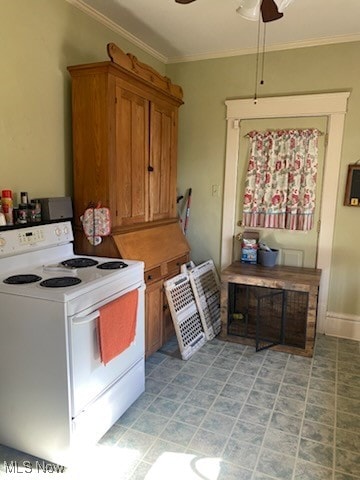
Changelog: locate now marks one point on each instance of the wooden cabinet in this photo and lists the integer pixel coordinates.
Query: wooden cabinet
(125, 122)
(163, 249)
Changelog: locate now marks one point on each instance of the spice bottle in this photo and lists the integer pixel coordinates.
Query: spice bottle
(24, 198)
(36, 215)
(22, 213)
(7, 206)
(32, 213)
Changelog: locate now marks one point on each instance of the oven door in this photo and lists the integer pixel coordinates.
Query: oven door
(89, 377)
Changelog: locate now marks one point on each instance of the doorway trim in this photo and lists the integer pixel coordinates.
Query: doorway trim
(331, 105)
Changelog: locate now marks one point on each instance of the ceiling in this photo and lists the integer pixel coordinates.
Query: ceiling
(212, 28)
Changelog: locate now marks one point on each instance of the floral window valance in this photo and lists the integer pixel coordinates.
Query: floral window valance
(281, 179)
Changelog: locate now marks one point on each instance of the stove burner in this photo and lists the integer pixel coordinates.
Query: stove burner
(57, 282)
(81, 262)
(112, 265)
(22, 279)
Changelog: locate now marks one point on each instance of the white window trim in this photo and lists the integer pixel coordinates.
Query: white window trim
(331, 105)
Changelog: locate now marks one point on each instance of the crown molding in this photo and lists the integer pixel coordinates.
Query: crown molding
(315, 42)
(117, 29)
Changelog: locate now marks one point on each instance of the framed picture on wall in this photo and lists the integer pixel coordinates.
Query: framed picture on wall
(352, 190)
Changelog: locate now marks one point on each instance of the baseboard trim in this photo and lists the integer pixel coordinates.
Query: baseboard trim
(342, 325)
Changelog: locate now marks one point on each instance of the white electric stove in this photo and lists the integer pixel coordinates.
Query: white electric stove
(56, 395)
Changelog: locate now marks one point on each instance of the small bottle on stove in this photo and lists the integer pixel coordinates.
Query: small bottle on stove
(24, 198)
(22, 213)
(7, 206)
(37, 210)
(32, 213)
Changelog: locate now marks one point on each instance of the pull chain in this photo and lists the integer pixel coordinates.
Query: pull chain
(263, 57)
(257, 61)
(262, 81)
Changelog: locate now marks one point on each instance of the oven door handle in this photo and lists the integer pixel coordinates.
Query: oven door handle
(80, 320)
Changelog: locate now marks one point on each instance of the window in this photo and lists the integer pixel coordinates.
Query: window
(281, 179)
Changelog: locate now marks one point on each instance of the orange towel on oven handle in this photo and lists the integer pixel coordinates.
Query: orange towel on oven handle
(117, 325)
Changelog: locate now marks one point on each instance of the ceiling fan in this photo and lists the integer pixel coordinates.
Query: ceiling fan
(270, 9)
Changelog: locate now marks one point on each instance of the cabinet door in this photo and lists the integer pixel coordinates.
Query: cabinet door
(90, 123)
(163, 147)
(130, 181)
(153, 317)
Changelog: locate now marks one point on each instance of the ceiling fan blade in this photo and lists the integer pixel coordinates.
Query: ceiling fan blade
(269, 11)
(184, 2)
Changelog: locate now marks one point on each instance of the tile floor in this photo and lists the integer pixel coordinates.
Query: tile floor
(229, 413)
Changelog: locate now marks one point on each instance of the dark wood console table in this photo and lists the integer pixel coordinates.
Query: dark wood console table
(270, 306)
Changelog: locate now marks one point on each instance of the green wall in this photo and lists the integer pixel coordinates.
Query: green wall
(207, 84)
(38, 40)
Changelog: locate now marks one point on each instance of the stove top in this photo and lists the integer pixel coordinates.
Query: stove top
(66, 266)
(58, 282)
(39, 262)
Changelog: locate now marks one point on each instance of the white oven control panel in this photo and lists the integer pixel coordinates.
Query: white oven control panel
(31, 238)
